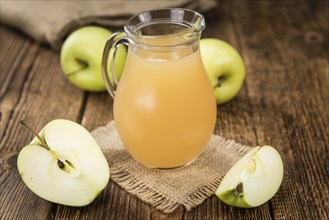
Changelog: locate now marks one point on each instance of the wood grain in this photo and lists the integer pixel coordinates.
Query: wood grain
(286, 113)
(38, 103)
(17, 57)
(284, 103)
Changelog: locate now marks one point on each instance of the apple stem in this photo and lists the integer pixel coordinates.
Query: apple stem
(43, 142)
(83, 65)
(220, 81)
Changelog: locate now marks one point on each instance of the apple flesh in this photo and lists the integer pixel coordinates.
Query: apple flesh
(224, 66)
(64, 164)
(81, 58)
(253, 180)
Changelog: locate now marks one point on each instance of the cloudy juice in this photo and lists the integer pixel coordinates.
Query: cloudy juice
(164, 108)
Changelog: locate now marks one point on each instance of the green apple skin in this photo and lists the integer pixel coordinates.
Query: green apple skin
(81, 58)
(253, 180)
(224, 66)
(228, 199)
(73, 186)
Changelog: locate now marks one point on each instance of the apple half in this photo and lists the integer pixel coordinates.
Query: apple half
(64, 164)
(253, 180)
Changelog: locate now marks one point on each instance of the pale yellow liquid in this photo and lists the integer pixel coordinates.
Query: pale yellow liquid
(165, 111)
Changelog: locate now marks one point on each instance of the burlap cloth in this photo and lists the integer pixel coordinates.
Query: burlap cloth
(51, 21)
(167, 190)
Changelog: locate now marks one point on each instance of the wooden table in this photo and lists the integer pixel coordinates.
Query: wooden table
(284, 103)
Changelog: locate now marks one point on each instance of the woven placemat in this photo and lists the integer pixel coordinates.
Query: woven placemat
(167, 190)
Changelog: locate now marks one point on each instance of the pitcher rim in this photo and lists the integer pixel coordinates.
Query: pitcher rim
(198, 29)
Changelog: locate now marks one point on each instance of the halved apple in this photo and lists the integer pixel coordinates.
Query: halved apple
(64, 164)
(253, 180)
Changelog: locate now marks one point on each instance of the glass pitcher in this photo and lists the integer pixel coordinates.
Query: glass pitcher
(164, 106)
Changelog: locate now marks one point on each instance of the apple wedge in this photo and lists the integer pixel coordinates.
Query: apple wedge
(253, 180)
(64, 164)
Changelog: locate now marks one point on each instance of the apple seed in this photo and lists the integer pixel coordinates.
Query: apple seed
(60, 164)
(238, 191)
(220, 81)
(70, 164)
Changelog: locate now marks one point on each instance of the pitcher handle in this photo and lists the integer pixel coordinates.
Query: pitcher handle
(111, 43)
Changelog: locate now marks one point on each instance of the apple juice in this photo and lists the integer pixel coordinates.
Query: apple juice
(164, 107)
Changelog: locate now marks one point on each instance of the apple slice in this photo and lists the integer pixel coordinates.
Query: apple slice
(64, 164)
(253, 180)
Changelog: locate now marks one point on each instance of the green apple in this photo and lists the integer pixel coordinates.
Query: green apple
(253, 180)
(64, 164)
(81, 58)
(224, 66)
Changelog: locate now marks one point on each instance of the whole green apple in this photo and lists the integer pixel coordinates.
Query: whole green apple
(81, 58)
(224, 66)
(64, 164)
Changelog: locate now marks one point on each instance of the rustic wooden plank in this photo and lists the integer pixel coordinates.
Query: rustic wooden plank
(13, 47)
(38, 104)
(319, 9)
(17, 202)
(287, 112)
(310, 120)
(17, 56)
(98, 111)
